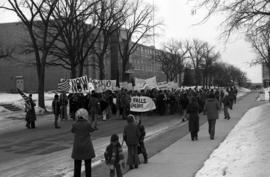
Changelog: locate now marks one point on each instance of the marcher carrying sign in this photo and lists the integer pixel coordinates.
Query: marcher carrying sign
(142, 104)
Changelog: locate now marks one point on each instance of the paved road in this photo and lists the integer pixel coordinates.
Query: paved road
(39, 151)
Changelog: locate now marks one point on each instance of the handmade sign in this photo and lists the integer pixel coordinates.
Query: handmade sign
(103, 85)
(79, 85)
(142, 104)
(149, 83)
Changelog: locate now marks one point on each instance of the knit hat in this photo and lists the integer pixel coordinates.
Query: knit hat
(130, 118)
(114, 138)
(81, 113)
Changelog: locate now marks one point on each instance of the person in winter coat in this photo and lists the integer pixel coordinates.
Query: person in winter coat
(125, 104)
(141, 148)
(94, 106)
(193, 118)
(131, 136)
(30, 112)
(56, 110)
(82, 147)
(63, 106)
(211, 110)
(227, 103)
(103, 107)
(114, 156)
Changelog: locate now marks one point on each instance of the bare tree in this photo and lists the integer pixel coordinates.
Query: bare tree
(210, 57)
(172, 59)
(260, 42)
(196, 51)
(137, 28)
(241, 14)
(32, 13)
(78, 36)
(112, 17)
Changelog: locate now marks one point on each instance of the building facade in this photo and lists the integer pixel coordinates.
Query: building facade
(142, 63)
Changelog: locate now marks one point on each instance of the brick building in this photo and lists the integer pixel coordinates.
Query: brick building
(13, 35)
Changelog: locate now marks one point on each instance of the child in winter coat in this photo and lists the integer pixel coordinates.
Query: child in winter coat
(114, 156)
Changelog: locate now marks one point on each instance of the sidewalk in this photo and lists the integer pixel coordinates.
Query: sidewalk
(185, 157)
(245, 152)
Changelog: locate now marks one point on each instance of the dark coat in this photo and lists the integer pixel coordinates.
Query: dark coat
(227, 101)
(131, 134)
(142, 132)
(103, 104)
(82, 147)
(211, 108)
(113, 154)
(193, 121)
(56, 107)
(30, 112)
(93, 105)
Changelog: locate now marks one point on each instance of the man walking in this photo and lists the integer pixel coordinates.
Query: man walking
(227, 103)
(56, 110)
(211, 110)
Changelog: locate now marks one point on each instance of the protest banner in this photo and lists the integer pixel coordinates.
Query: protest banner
(139, 83)
(79, 85)
(123, 85)
(142, 104)
(149, 83)
(103, 85)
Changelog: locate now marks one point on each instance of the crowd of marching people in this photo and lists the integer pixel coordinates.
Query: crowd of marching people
(104, 105)
(85, 110)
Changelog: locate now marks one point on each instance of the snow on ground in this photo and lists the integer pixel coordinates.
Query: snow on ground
(3, 110)
(245, 152)
(16, 100)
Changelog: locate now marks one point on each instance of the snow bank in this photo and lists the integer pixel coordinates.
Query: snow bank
(245, 152)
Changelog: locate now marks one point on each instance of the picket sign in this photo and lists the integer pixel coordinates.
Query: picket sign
(103, 85)
(142, 104)
(79, 85)
(149, 83)
(85, 85)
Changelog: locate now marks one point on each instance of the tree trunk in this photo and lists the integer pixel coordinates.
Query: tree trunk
(41, 79)
(101, 67)
(73, 72)
(124, 65)
(81, 69)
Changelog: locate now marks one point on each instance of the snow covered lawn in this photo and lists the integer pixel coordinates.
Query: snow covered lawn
(16, 100)
(245, 152)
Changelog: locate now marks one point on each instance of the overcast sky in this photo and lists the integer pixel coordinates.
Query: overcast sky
(179, 24)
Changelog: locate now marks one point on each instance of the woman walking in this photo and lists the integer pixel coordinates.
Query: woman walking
(131, 136)
(193, 118)
(82, 147)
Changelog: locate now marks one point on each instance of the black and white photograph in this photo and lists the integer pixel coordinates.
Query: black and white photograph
(134, 88)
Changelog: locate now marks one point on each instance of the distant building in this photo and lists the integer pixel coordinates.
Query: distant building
(265, 76)
(142, 63)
